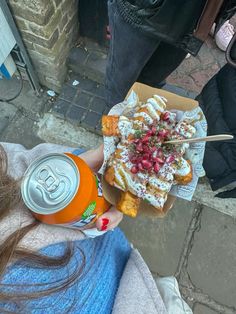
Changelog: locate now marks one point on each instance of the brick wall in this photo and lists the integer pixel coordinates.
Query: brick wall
(49, 28)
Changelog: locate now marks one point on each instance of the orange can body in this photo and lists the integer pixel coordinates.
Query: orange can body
(74, 204)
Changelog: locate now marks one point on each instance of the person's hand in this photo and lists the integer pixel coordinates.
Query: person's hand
(109, 220)
(94, 158)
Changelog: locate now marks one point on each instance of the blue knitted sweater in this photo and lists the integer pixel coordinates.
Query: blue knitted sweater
(94, 291)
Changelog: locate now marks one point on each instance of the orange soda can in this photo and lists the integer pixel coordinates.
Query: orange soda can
(61, 189)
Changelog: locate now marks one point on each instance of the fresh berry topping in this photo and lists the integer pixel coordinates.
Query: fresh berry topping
(146, 164)
(146, 149)
(156, 167)
(170, 159)
(139, 147)
(166, 116)
(134, 169)
(140, 166)
(159, 160)
(153, 130)
(146, 156)
(153, 149)
(163, 133)
(145, 139)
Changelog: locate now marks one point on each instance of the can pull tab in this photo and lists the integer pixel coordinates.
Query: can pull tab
(54, 185)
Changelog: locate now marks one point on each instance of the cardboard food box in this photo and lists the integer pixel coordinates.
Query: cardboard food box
(176, 102)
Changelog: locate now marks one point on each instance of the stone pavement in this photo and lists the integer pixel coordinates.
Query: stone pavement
(194, 72)
(196, 241)
(18, 118)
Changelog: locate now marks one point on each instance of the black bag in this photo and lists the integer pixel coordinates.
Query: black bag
(218, 102)
(231, 52)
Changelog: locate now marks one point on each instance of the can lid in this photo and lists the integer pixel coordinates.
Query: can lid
(50, 183)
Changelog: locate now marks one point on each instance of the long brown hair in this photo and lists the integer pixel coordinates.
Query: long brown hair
(10, 251)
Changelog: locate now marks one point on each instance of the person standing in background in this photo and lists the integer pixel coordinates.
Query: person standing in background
(150, 38)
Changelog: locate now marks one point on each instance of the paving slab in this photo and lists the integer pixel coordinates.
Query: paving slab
(212, 264)
(54, 130)
(68, 93)
(61, 107)
(75, 114)
(88, 62)
(27, 99)
(202, 309)
(160, 240)
(204, 195)
(82, 103)
(194, 72)
(22, 130)
(8, 112)
(9, 88)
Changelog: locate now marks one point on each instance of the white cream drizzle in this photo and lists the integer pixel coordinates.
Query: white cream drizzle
(142, 176)
(153, 113)
(182, 148)
(135, 187)
(157, 201)
(144, 115)
(140, 125)
(185, 129)
(161, 100)
(156, 105)
(119, 181)
(184, 168)
(124, 154)
(172, 116)
(160, 184)
(125, 126)
(166, 172)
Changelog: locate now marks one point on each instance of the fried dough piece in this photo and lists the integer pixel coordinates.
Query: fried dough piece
(128, 204)
(183, 180)
(110, 125)
(110, 175)
(187, 178)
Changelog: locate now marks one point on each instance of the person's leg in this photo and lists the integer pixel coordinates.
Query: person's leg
(162, 63)
(129, 52)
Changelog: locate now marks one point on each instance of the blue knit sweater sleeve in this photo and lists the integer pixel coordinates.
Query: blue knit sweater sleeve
(92, 293)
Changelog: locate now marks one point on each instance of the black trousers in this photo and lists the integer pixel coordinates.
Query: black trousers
(135, 56)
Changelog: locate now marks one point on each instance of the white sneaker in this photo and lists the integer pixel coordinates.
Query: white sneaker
(224, 35)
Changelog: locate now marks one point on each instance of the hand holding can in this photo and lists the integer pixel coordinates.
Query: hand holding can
(62, 189)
